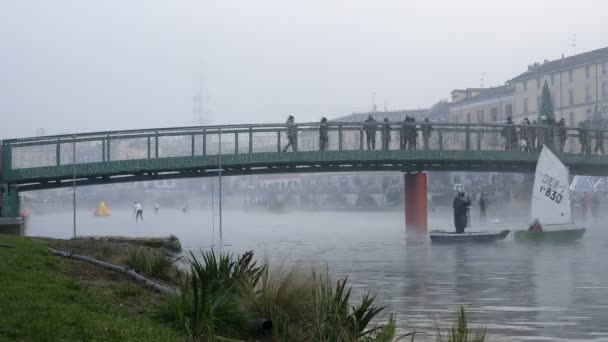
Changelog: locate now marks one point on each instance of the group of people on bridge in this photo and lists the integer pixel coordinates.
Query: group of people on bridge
(544, 132)
(551, 133)
(408, 133)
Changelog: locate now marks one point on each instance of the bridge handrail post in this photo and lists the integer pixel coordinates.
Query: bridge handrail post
(192, 144)
(468, 137)
(7, 158)
(236, 142)
(479, 134)
(250, 140)
(361, 138)
(108, 157)
(204, 142)
(156, 145)
(149, 147)
(440, 135)
(279, 141)
(58, 152)
(103, 149)
(340, 137)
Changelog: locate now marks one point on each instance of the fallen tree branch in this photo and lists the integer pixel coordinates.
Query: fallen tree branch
(121, 269)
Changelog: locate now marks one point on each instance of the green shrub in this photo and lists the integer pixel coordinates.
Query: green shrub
(222, 293)
(460, 332)
(151, 262)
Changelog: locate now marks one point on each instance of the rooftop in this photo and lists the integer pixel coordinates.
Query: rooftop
(483, 94)
(564, 63)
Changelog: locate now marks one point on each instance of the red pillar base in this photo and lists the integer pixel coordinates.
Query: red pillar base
(415, 202)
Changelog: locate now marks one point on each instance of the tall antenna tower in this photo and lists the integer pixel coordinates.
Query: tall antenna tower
(573, 45)
(197, 101)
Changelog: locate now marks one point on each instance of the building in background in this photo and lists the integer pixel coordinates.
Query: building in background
(578, 84)
(481, 105)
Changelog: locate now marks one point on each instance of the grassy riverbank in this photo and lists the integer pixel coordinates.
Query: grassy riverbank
(46, 298)
(224, 297)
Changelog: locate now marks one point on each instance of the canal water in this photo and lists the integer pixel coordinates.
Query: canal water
(520, 292)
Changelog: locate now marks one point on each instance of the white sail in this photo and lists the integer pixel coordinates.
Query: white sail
(551, 191)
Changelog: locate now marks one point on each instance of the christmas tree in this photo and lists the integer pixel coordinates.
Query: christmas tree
(546, 105)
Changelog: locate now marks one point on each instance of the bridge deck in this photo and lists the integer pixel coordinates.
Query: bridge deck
(106, 157)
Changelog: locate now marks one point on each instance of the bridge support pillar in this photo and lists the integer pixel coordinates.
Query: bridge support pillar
(415, 202)
(9, 201)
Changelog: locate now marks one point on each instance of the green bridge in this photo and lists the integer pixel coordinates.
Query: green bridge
(138, 155)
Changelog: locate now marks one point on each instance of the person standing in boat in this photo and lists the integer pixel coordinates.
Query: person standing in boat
(461, 207)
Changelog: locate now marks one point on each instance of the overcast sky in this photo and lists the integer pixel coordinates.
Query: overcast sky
(71, 66)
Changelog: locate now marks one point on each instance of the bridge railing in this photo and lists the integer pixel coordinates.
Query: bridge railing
(99, 147)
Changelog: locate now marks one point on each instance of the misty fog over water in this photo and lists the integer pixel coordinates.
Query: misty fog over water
(524, 291)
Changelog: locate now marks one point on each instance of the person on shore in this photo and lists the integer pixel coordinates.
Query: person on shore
(370, 127)
(138, 210)
(186, 209)
(535, 226)
(426, 132)
(483, 205)
(292, 135)
(386, 134)
(323, 135)
(461, 207)
(156, 207)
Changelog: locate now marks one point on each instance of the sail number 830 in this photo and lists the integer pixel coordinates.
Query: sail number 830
(551, 194)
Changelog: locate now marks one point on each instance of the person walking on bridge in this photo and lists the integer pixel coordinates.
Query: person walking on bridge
(323, 135)
(403, 133)
(292, 135)
(562, 134)
(413, 133)
(510, 135)
(386, 134)
(370, 127)
(426, 132)
(526, 135)
(599, 137)
(583, 137)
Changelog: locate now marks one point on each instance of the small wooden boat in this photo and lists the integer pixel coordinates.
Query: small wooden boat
(551, 203)
(442, 236)
(562, 235)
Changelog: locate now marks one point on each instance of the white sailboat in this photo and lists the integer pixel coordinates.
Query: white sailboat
(551, 202)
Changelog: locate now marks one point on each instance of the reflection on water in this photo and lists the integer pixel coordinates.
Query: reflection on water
(534, 292)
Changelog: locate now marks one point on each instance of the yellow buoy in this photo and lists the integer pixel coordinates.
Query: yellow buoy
(102, 210)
